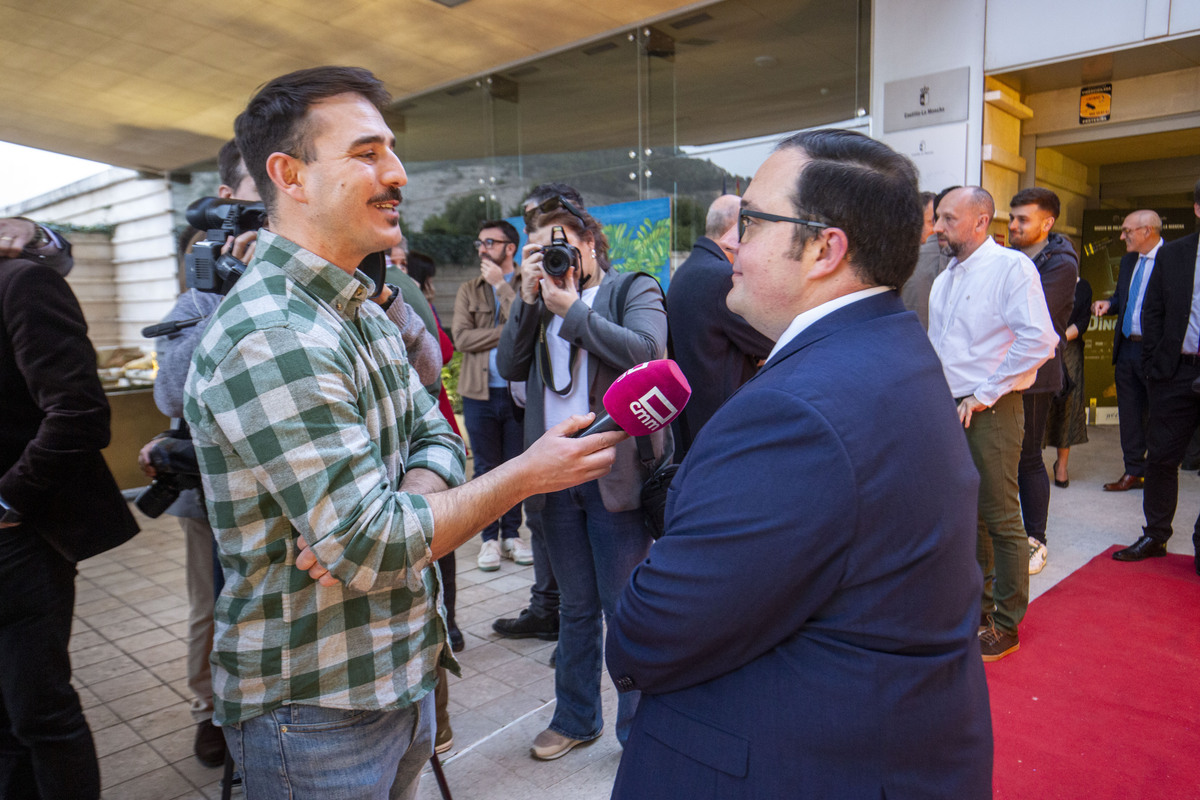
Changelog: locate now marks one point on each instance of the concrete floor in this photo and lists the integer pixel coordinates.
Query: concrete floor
(128, 653)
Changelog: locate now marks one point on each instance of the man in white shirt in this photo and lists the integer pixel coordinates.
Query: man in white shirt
(991, 329)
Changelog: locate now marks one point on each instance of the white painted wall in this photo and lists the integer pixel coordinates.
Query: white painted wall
(1025, 32)
(143, 246)
(910, 38)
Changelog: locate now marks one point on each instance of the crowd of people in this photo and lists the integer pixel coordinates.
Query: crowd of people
(320, 547)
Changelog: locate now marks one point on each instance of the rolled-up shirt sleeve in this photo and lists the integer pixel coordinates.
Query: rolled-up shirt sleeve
(299, 446)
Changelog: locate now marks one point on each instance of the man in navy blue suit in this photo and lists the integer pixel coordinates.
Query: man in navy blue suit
(807, 625)
(1142, 233)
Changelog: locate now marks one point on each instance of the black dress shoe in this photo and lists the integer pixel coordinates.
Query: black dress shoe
(1143, 548)
(528, 625)
(456, 639)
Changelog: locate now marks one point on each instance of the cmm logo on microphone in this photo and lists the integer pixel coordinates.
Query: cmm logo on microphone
(653, 409)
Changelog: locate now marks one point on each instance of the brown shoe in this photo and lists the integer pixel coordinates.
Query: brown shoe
(1125, 483)
(995, 644)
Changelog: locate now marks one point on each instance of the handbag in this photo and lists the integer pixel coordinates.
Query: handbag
(654, 489)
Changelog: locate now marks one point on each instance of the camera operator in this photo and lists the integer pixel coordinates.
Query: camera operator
(600, 324)
(174, 357)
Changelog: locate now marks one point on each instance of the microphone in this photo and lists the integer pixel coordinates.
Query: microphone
(642, 400)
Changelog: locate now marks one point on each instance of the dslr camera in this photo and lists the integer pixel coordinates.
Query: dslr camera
(174, 460)
(559, 256)
(207, 269)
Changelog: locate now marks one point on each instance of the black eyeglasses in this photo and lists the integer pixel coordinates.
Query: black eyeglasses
(745, 214)
(552, 204)
(490, 243)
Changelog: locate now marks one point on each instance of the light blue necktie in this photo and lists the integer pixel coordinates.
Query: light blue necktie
(1131, 302)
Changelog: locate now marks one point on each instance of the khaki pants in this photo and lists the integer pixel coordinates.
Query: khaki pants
(1002, 548)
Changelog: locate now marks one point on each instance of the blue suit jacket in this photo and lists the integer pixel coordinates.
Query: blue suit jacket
(807, 625)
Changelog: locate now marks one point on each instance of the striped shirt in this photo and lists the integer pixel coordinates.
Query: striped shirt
(306, 416)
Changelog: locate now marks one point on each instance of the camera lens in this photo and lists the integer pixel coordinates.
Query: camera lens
(556, 260)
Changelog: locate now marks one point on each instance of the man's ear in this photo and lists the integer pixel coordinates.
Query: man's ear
(832, 246)
(287, 173)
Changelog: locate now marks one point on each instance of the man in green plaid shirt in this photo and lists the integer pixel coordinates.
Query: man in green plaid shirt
(327, 469)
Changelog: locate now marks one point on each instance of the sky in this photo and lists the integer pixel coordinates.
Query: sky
(26, 172)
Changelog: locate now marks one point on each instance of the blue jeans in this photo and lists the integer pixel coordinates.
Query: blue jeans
(495, 436)
(333, 754)
(592, 551)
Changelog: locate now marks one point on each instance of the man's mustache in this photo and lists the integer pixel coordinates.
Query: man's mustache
(389, 194)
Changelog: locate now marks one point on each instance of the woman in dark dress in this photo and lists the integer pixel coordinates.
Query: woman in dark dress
(1066, 424)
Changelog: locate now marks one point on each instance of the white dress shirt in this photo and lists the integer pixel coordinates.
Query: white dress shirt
(989, 323)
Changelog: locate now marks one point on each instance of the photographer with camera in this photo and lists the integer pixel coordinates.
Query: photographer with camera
(577, 326)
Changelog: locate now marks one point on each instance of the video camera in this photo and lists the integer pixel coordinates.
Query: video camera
(175, 469)
(207, 269)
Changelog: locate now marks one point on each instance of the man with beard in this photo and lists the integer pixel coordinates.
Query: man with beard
(1033, 213)
(990, 327)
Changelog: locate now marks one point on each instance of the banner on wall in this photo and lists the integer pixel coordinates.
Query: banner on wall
(639, 235)
(1099, 265)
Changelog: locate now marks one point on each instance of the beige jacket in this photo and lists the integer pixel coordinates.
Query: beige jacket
(476, 330)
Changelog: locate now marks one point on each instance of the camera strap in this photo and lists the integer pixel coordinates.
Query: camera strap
(542, 352)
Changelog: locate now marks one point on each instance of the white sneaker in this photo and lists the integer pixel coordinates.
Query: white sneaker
(517, 550)
(489, 556)
(1037, 556)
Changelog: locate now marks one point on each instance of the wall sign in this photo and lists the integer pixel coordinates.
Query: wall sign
(1095, 103)
(926, 100)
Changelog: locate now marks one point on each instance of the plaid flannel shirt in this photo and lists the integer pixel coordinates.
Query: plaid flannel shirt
(306, 416)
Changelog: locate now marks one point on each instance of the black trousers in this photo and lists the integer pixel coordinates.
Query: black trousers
(1133, 403)
(1174, 413)
(1033, 484)
(46, 749)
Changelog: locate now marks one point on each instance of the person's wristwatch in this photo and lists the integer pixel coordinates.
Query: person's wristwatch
(9, 516)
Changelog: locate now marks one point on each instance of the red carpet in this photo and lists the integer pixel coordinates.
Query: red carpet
(1103, 698)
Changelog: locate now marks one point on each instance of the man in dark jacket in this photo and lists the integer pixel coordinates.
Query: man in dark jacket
(1033, 213)
(58, 504)
(717, 349)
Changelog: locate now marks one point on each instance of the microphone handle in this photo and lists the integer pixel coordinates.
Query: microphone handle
(602, 424)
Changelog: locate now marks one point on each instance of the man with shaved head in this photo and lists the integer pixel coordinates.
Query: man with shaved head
(717, 349)
(1142, 233)
(990, 326)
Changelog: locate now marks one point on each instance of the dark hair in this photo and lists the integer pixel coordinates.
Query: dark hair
(421, 268)
(275, 119)
(510, 232)
(229, 165)
(927, 198)
(1044, 199)
(560, 216)
(544, 191)
(868, 190)
(183, 245)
